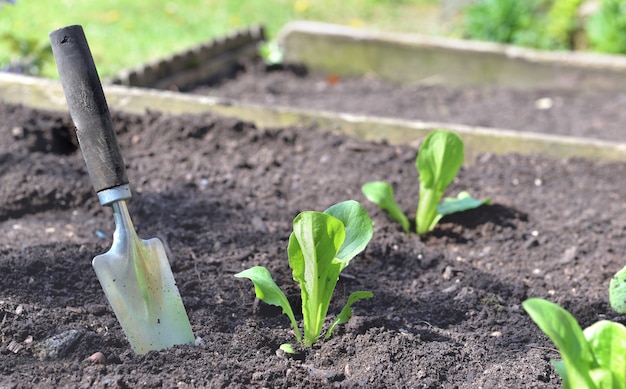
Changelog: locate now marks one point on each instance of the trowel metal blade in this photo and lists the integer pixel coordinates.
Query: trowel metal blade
(138, 282)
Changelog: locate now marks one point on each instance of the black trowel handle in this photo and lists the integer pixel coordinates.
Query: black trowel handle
(88, 108)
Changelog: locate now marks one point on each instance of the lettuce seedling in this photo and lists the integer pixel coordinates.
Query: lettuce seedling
(381, 194)
(462, 202)
(321, 245)
(272, 53)
(439, 159)
(593, 358)
(617, 291)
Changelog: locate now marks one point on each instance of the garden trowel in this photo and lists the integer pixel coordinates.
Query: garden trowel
(135, 274)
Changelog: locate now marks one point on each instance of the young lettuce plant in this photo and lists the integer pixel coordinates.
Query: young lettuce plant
(617, 291)
(593, 358)
(272, 53)
(321, 245)
(381, 194)
(439, 159)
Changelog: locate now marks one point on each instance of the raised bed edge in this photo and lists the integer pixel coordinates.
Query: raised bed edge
(199, 62)
(412, 58)
(48, 94)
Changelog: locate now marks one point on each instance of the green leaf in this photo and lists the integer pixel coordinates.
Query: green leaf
(381, 194)
(564, 331)
(288, 348)
(463, 202)
(439, 159)
(605, 28)
(358, 227)
(313, 246)
(607, 341)
(617, 291)
(272, 53)
(561, 370)
(346, 311)
(266, 290)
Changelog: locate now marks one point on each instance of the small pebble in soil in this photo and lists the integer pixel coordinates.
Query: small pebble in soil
(15, 347)
(544, 103)
(56, 346)
(322, 374)
(347, 371)
(97, 357)
(97, 309)
(531, 243)
(568, 255)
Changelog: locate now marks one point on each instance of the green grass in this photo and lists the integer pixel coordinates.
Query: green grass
(124, 34)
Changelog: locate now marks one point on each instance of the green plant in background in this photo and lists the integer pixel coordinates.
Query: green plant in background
(438, 161)
(321, 245)
(272, 53)
(561, 25)
(606, 29)
(503, 21)
(542, 24)
(148, 30)
(28, 56)
(593, 358)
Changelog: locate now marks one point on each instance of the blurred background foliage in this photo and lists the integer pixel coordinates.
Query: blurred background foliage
(124, 34)
(595, 25)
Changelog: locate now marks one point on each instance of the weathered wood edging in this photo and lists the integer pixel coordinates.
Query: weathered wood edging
(48, 94)
(195, 64)
(412, 58)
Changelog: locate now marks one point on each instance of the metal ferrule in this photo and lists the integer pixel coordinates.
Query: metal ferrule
(112, 195)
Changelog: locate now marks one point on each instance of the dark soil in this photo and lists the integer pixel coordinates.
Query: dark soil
(222, 194)
(594, 114)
